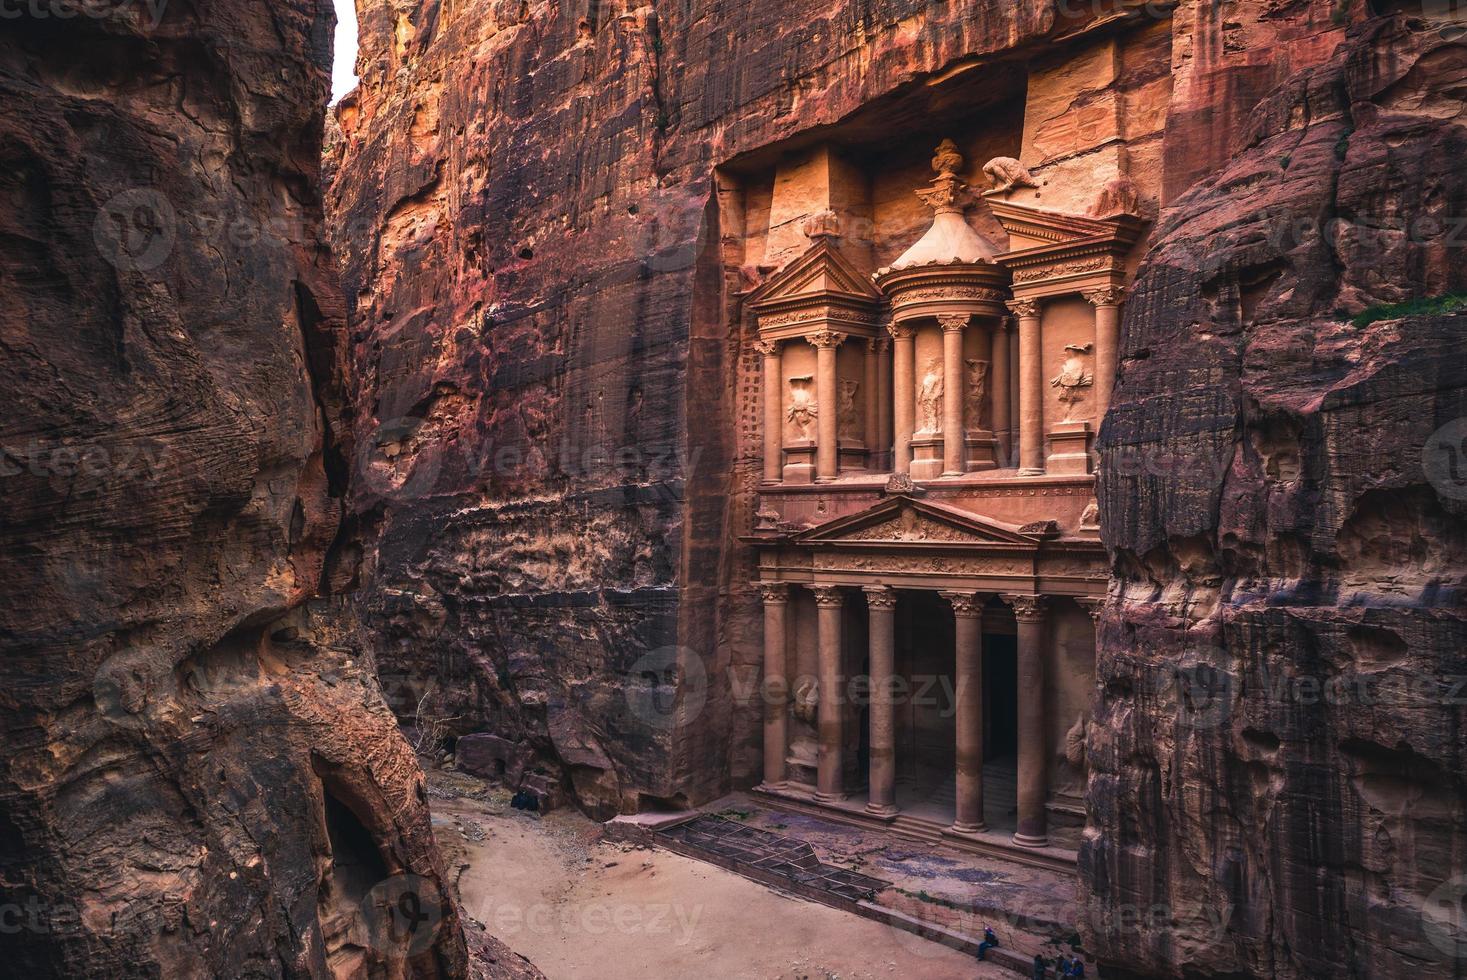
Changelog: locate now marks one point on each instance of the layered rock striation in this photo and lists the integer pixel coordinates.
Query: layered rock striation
(200, 776)
(1278, 764)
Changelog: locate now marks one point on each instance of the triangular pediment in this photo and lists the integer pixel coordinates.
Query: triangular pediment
(821, 275)
(906, 520)
(1037, 228)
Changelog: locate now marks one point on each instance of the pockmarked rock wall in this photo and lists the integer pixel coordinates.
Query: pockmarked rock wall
(1278, 756)
(522, 197)
(542, 272)
(200, 777)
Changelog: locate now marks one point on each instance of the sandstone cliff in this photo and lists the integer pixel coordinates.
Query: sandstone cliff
(542, 277)
(1277, 784)
(200, 777)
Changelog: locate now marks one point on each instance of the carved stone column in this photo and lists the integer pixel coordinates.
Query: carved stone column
(827, 446)
(954, 450)
(1001, 421)
(883, 401)
(773, 410)
(1033, 780)
(775, 689)
(829, 602)
(1107, 303)
(904, 397)
(968, 682)
(1031, 388)
(881, 606)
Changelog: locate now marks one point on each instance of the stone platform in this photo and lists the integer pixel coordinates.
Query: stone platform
(928, 889)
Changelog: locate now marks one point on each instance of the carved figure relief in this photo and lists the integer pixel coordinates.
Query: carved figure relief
(803, 408)
(1072, 379)
(806, 700)
(1075, 743)
(929, 398)
(847, 421)
(978, 393)
(1006, 174)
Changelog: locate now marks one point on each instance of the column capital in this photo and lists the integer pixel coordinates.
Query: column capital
(773, 593)
(879, 344)
(1092, 604)
(769, 348)
(966, 605)
(1025, 308)
(1106, 296)
(827, 595)
(902, 330)
(1027, 608)
(822, 339)
(880, 596)
(954, 322)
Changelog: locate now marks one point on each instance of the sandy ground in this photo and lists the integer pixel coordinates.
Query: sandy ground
(578, 906)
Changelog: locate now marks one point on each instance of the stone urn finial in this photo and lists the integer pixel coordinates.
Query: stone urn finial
(947, 161)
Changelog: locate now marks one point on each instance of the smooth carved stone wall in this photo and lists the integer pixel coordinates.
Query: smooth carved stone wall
(196, 758)
(1278, 760)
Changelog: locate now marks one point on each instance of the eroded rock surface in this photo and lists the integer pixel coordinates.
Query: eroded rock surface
(1278, 768)
(554, 418)
(200, 777)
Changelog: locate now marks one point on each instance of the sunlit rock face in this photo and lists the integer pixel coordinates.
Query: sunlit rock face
(1277, 772)
(200, 777)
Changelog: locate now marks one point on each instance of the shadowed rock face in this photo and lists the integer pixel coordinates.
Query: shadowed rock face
(1277, 772)
(200, 776)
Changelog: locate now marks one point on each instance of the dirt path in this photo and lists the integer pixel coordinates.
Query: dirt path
(577, 906)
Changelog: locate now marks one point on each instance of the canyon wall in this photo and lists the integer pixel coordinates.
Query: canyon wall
(536, 206)
(1278, 761)
(200, 776)
(522, 196)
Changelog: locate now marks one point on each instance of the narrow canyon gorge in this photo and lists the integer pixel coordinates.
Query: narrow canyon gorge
(591, 396)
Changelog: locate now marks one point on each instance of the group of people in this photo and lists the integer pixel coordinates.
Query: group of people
(1064, 966)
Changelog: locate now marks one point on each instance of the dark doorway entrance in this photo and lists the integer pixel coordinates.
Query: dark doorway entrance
(926, 720)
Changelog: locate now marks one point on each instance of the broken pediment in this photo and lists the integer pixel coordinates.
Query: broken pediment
(1054, 252)
(906, 520)
(821, 288)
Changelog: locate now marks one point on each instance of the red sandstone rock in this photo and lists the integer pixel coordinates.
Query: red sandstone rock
(200, 777)
(1279, 760)
(524, 202)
